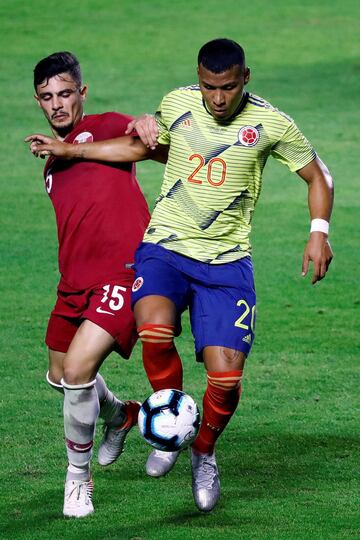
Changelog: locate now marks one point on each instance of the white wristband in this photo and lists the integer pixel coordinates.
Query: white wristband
(320, 225)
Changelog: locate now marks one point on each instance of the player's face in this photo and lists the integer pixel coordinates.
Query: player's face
(222, 92)
(61, 100)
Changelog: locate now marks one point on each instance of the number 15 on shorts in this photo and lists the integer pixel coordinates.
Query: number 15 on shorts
(116, 302)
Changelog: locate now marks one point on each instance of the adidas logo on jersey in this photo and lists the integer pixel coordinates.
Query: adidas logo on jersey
(186, 123)
(247, 339)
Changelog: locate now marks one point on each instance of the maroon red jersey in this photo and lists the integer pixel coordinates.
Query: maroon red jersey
(101, 212)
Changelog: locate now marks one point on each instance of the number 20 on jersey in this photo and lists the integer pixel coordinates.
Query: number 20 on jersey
(215, 172)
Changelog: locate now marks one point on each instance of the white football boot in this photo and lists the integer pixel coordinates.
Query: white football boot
(160, 463)
(78, 498)
(205, 481)
(112, 444)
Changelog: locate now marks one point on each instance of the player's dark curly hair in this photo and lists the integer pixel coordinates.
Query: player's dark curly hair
(56, 63)
(221, 54)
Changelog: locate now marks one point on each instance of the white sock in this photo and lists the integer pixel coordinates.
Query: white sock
(112, 410)
(81, 409)
(78, 473)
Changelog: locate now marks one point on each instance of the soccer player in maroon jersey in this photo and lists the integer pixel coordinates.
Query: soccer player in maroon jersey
(101, 216)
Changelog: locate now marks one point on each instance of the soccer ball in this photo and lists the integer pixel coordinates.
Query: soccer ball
(169, 420)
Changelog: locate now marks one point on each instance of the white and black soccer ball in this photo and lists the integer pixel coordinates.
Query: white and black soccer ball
(169, 420)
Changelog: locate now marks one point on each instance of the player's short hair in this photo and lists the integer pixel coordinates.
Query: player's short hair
(56, 63)
(221, 54)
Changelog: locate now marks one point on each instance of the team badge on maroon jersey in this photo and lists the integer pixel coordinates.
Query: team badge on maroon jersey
(248, 136)
(48, 181)
(137, 284)
(83, 137)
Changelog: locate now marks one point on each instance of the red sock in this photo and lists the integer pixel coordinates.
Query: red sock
(160, 357)
(220, 401)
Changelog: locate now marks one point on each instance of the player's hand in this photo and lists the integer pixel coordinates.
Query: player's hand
(146, 128)
(43, 146)
(317, 250)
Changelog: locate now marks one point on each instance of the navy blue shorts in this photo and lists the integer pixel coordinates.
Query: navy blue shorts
(221, 297)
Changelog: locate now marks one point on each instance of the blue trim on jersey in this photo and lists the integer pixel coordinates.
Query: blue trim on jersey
(181, 118)
(252, 96)
(262, 105)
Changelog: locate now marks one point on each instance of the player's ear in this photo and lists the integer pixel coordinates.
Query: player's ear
(246, 75)
(36, 97)
(83, 92)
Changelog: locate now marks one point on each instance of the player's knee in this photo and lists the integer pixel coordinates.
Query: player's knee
(75, 375)
(80, 368)
(232, 359)
(218, 358)
(154, 310)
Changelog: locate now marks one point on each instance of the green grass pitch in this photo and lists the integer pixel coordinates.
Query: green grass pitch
(289, 459)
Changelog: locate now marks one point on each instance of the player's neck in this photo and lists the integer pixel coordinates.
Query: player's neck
(61, 134)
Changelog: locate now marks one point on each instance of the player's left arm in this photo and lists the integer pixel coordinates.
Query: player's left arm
(320, 201)
(121, 149)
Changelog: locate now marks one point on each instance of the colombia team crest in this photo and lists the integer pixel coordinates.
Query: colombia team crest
(137, 284)
(83, 137)
(248, 136)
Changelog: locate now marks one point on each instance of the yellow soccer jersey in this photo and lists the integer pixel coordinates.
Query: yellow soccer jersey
(213, 175)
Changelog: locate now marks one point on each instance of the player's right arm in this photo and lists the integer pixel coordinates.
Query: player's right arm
(122, 149)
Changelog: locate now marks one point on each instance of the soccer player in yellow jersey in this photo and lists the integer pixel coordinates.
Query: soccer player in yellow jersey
(196, 252)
